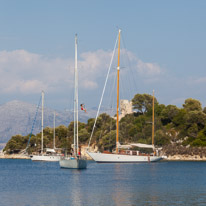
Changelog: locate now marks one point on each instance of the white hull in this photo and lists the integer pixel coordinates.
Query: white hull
(73, 163)
(119, 158)
(48, 158)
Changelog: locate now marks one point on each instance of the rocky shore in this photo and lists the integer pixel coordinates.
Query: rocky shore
(185, 158)
(184, 153)
(14, 156)
(169, 158)
(171, 152)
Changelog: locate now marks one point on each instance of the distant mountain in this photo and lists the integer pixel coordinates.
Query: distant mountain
(17, 117)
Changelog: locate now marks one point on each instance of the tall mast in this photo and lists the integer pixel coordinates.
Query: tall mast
(54, 132)
(42, 123)
(75, 101)
(153, 120)
(117, 130)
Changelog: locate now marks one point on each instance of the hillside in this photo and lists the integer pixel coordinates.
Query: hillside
(17, 117)
(177, 130)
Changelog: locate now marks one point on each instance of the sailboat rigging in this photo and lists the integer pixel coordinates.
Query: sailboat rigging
(127, 157)
(75, 161)
(50, 154)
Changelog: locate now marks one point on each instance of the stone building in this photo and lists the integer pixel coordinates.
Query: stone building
(125, 108)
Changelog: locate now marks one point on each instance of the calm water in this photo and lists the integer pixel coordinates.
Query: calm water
(27, 183)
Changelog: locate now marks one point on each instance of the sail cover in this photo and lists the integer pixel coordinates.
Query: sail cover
(142, 145)
(124, 146)
(50, 150)
(128, 146)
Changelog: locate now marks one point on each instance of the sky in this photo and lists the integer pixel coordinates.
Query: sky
(164, 42)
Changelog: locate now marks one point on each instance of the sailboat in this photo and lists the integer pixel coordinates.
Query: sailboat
(128, 156)
(75, 161)
(50, 154)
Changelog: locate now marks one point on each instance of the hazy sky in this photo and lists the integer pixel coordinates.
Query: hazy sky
(165, 42)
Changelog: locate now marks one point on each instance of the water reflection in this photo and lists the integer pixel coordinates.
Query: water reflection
(122, 191)
(37, 184)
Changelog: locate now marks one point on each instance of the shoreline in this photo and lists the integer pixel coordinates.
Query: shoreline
(185, 158)
(169, 158)
(14, 156)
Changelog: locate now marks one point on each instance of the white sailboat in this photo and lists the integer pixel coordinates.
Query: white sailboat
(128, 156)
(75, 161)
(50, 154)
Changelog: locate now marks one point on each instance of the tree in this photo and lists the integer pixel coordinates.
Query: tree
(202, 135)
(62, 131)
(108, 141)
(180, 118)
(158, 108)
(192, 105)
(90, 124)
(83, 135)
(171, 124)
(196, 117)
(161, 138)
(200, 141)
(168, 113)
(193, 130)
(142, 102)
(15, 144)
(204, 110)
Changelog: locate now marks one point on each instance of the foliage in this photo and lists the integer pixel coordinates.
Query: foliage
(186, 126)
(16, 143)
(192, 105)
(168, 113)
(161, 138)
(108, 141)
(201, 139)
(180, 118)
(143, 102)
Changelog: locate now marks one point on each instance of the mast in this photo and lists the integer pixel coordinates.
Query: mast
(54, 132)
(153, 120)
(42, 123)
(117, 130)
(75, 101)
(77, 95)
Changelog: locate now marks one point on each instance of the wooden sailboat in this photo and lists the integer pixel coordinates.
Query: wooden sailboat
(128, 157)
(75, 161)
(50, 155)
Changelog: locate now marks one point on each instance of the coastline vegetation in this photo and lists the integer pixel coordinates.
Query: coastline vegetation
(184, 126)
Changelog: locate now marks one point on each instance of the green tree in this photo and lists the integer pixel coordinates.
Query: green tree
(15, 144)
(83, 135)
(200, 141)
(161, 138)
(168, 113)
(180, 118)
(143, 102)
(201, 138)
(192, 105)
(193, 130)
(108, 141)
(204, 110)
(196, 117)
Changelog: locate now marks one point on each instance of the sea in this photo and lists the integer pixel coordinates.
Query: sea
(27, 183)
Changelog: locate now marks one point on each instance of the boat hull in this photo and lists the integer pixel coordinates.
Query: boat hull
(119, 158)
(73, 163)
(47, 158)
